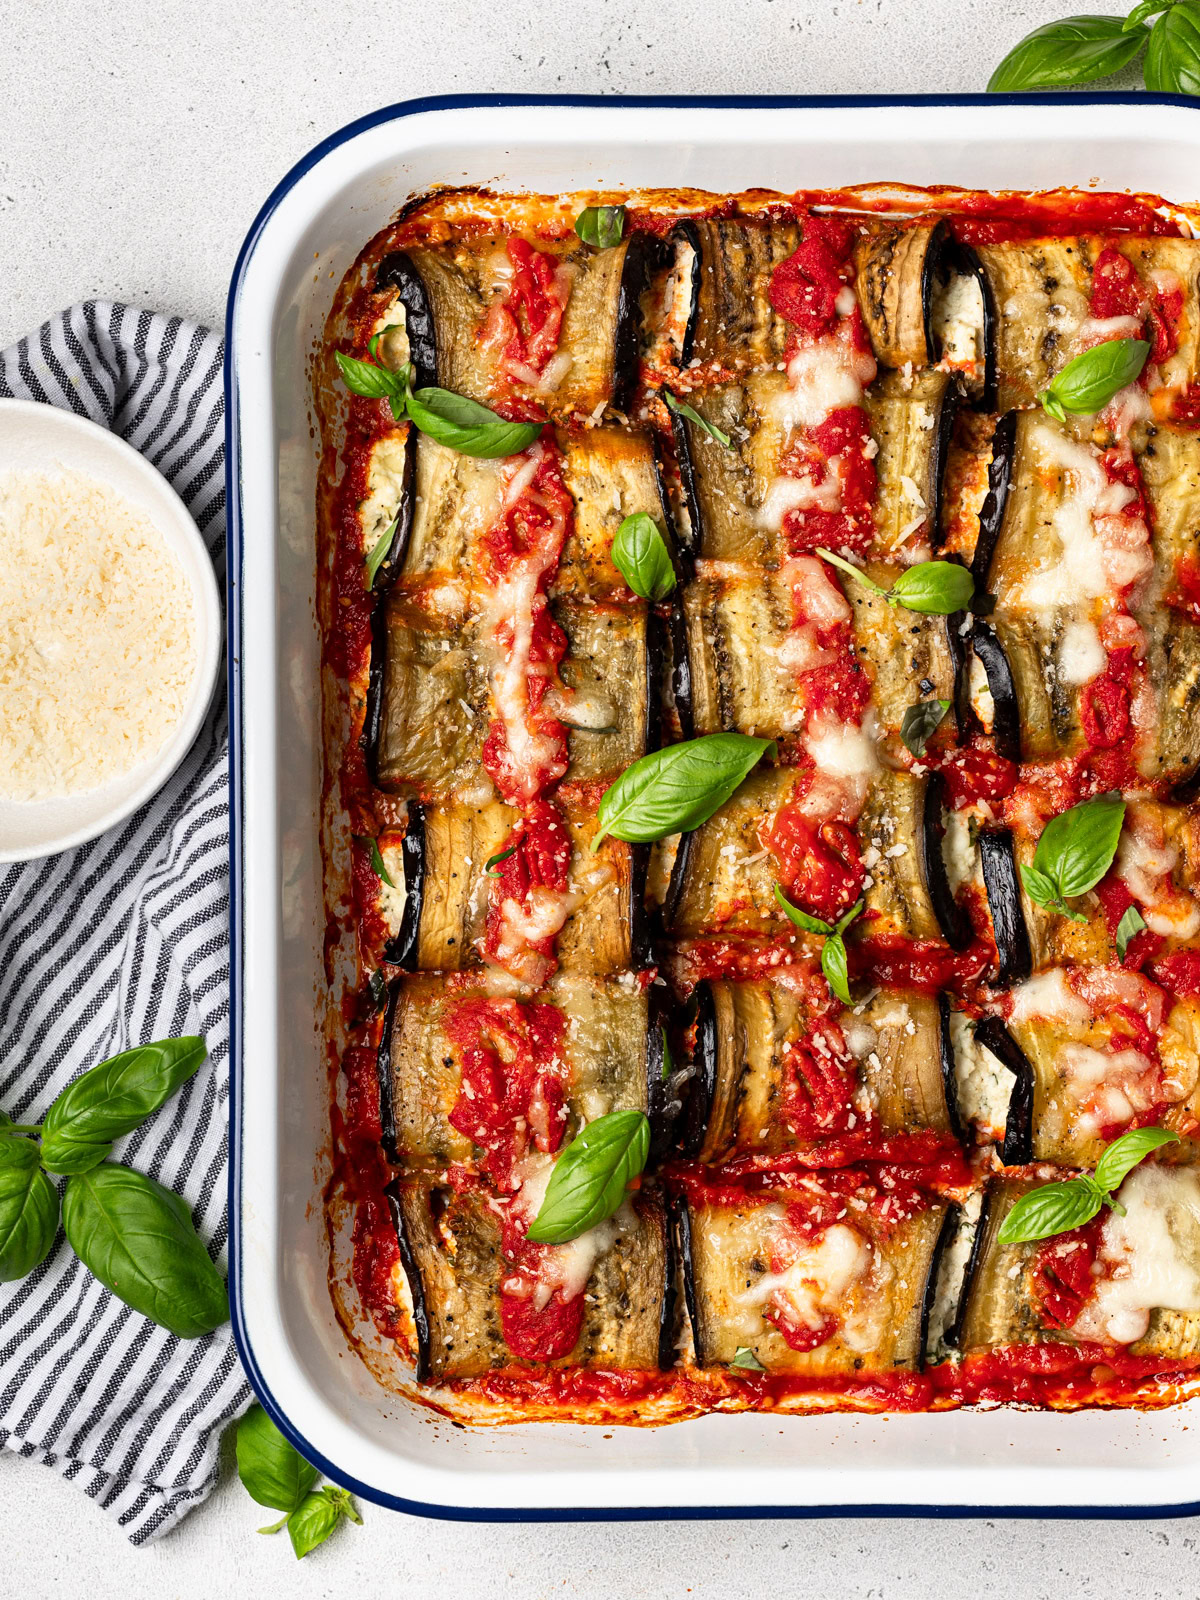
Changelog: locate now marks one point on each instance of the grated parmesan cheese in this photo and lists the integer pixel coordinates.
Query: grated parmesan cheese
(97, 636)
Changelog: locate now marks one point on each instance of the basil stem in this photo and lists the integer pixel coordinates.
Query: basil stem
(1060, 54)
(1086, 384)
(675, 789)
(601, 226)
(920, 722)
(1074, 852)
(1055, 1208)
(591, 1176)
(685, 410)
(934, 588)
(640, 554)
(1172, 63)
(493, 862)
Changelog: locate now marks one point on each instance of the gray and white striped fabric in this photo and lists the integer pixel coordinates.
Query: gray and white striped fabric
(122, 941)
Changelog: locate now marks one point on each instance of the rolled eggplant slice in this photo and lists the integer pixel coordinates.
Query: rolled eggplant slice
(433, 701)
(899, 832)
(911, 422)
(901, 651)
(1170, 466)
(739, 623)
(609, 473)
(608, 679)
(390, 498)
(455, 1243)
(448, 885)
(600, 334)
(1040, 290)
(898, 269)
(410, 334)
(733, 324)
(1055, 940)
(610, 1046)
(861, 1285)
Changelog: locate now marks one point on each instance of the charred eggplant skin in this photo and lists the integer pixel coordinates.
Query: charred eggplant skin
(372, 728)
(949, 1066)
(383, 1076)
(1006, 720)
(945, 1233)
(690, 548)
(396, 271)
(1004, 901)
(955, 925)
(680, 1223)
(641, 932)
(991, 513)
(954, 1332)
(644, 255)
(668, 1317)
(416, 1288)
(1017, 1148)
(402, 950)
(703, 1083)
(962, 259)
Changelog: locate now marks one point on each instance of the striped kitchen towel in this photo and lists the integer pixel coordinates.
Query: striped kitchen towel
(122, 941)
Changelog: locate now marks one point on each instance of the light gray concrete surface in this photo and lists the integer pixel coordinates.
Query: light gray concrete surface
(136, 143)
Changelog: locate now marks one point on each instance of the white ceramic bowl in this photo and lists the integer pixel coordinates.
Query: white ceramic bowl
(41, 438)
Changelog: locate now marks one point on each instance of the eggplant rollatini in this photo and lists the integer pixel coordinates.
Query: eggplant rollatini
(845, 1297)
(617, 1280)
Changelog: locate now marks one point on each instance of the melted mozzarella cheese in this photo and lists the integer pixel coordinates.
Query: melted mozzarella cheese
(786, 494)
(1111, 1086)
(814, 593)
(824, 375)
(1145, 864)
(958, 850)
(385, 488)
(816, 1282)
(566, 1267)
(1151, 1255)
(1047, 995)
(1081, 656)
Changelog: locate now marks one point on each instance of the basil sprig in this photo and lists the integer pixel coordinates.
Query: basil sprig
(1130, 925)
(1074, 852)
(1086, 384)
(138, 1239)
(591, 1176)
(112, 1099)
(640, 554)
(278, 1476)
(935, 588)
(134, 1235)
(675, 789)
(601, 226)
(379, 551)
(1058, 1207)
(28, 1210)
(833, 951)
(1074, 50)
(452, 419)
(1172, 63)
(920, 722)
(690, 412)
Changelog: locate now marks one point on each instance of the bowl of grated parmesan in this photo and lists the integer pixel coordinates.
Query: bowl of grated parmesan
(110, 630)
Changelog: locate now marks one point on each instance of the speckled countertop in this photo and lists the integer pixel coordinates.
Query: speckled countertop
(138, 142)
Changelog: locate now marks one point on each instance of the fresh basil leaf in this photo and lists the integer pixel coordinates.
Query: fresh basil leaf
(111, 1099)
(1141, 13)
(802, 919)
(745, 1359)
(934, 588)
(377, 865)
(312, 1522)
(28, 1210)
(1130, 925)
(591, 1175)
(1123, 1154)
(1052, 1208)
(493, 862)
(1172, 64)
(692, 415)
(601, 226)
(1074, 50)
(919, 723)
(1086, 384)
(138, 1239)
(273, 1471)
(380, 550)
(1077, 847)
(640, 554)
(855, 911)
(675, 789)
(833, 965)
(372, 381)
(1041, 890)
(466, 426)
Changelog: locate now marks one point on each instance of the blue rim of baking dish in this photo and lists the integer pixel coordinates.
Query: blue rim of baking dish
(393, 113)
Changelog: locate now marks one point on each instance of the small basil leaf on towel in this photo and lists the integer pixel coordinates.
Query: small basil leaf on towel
(272, 1471)
(111, 1099)
(1086, 384)
(681, 408)
(138, 1239)
(315, 1519)
(640, 554)
(28, 1210)
(466, 426)
(1074, 50)
(591, 1175)
(677, 788)
(1172, 64)
(601, 226)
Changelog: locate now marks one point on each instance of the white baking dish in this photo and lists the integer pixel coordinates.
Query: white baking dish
(308, 233)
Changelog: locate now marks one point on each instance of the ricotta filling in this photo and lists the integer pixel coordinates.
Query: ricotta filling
(984, 1083)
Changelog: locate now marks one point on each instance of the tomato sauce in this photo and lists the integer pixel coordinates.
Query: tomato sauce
(512, 1094)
